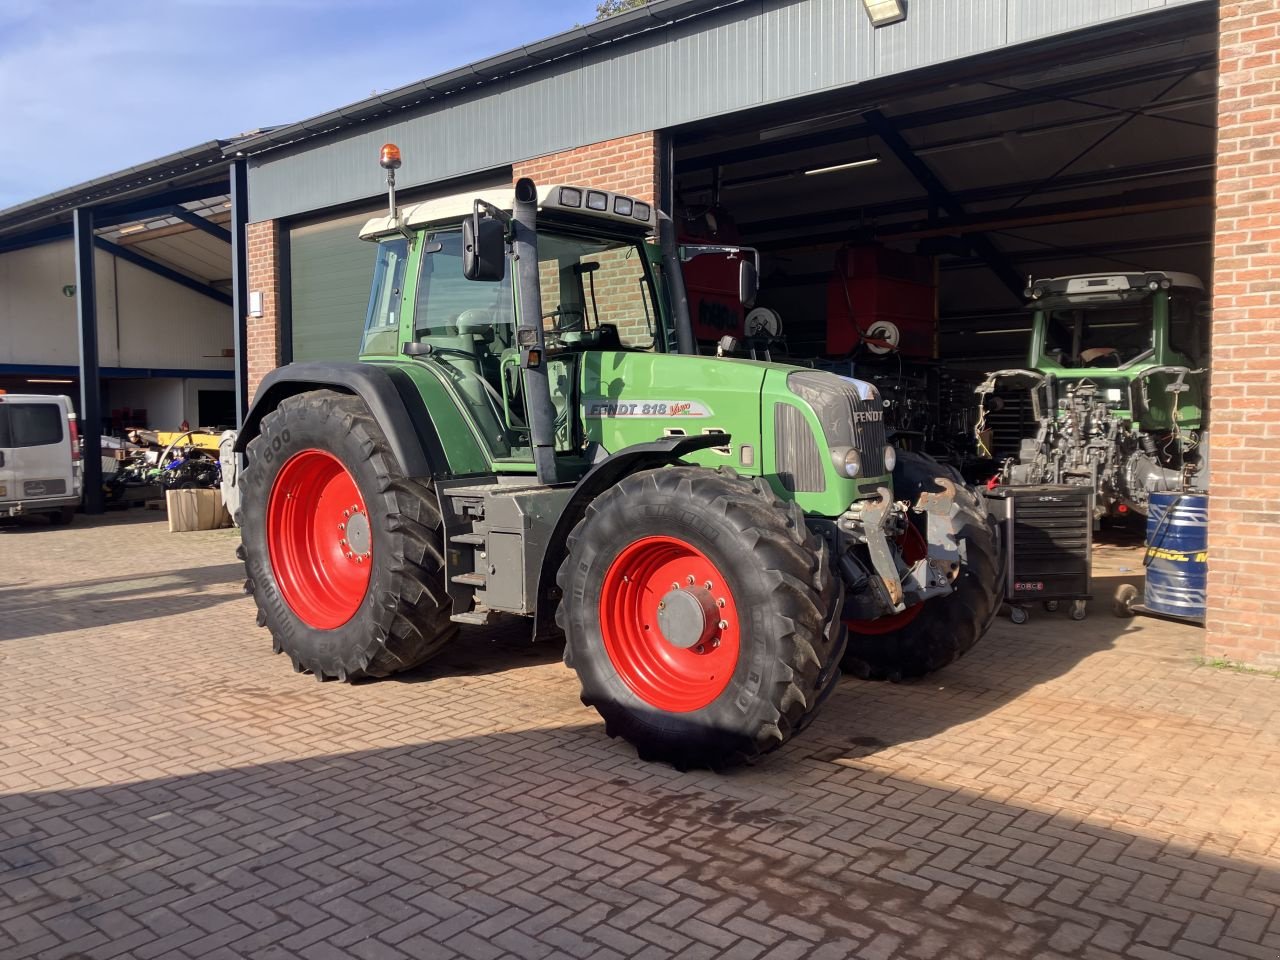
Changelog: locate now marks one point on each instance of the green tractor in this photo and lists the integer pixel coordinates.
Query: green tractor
(1116, 394)
(530, 431)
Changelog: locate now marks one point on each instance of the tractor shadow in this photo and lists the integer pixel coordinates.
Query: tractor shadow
(504, 644)
(41, 609)
(863, 718)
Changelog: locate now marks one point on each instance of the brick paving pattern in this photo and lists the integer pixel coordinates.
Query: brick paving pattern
(170, 789)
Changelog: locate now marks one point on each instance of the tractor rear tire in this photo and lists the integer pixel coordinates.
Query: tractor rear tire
(343, 551)
(752, 636)
(947, 627)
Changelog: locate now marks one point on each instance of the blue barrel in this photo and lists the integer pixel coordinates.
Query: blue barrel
(1177, 554)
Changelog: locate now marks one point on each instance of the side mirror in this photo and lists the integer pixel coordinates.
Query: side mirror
(484, 248)
(748, 282)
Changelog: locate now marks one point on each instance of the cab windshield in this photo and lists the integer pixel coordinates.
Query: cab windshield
(1103, 336)
(597, 294)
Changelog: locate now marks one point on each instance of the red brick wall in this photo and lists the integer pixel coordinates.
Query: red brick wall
(1244, 516)
(628, 165)
(263, 333)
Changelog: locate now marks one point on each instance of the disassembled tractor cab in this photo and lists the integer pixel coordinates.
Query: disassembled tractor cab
(1114, 388)
(530, 431)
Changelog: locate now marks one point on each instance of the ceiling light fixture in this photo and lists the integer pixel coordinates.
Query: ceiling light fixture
(47, 380)
(881, 13)
(864, 162)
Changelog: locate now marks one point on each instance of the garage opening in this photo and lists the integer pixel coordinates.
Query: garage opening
(898, 231)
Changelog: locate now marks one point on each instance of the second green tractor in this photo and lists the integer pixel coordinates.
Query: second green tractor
(530, 430)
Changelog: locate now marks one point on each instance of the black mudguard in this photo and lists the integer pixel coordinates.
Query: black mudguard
(389, 393)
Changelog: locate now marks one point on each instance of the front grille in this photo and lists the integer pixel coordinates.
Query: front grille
(799, 461)
(868, 437)
(847, 419)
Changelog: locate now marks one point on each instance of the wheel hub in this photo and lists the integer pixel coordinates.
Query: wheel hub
(319, 539)
(670, 623)
(357, 533)
(687, 617)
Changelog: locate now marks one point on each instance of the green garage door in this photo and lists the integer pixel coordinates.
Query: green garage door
(330, 272)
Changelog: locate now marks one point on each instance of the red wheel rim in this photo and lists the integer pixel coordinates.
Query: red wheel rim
(692, 667)
(914, 548)
(319, 539)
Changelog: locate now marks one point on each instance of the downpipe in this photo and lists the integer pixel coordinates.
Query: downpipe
(529, 335)
(671, 266)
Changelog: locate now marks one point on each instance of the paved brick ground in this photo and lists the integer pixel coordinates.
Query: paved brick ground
(170, 789)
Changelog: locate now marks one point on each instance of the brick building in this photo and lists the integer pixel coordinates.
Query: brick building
(1002, 139)
(992, 141)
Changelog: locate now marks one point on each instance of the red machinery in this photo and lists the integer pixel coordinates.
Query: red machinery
(885, 298)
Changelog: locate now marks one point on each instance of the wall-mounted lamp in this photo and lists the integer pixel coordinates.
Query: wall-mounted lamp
(881, 13)
(255, 303)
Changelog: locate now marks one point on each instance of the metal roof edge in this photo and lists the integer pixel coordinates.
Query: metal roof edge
(119, 181)
(119, 184)
(577, 39)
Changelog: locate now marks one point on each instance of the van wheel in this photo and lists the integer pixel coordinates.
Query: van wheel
(60, 518)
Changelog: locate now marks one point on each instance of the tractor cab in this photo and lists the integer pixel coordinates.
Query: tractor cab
(596, 276)
(1121, 333)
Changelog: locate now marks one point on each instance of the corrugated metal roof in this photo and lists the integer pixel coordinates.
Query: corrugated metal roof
(657, 13)
(206, 161)
(670, 63)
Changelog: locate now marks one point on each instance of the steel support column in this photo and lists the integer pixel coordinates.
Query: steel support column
(240, 284)
(90, 383)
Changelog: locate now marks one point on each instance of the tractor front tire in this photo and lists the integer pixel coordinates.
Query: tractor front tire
(942, 629)
(701, 616)
(343, 551)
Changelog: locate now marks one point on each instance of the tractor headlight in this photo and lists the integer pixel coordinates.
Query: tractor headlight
(848, 462)
(890, 457)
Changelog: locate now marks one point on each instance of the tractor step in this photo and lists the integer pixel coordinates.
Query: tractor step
(477, 617)
(490, 489)
(471, 539)
(470, 579)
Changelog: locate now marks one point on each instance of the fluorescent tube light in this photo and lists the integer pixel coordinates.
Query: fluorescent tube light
(864, 162)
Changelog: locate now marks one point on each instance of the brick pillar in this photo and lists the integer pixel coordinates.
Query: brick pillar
(627, 165)
(263, 333)
(1244, 515)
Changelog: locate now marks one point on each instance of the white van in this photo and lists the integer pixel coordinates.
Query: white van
(39, 456)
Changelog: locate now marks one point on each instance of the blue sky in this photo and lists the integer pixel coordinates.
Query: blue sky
(88, 87)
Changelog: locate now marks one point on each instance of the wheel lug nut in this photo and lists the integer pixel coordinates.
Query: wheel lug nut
(662, 604)
(707, 584)
(715, 643)
(723, 624)
(346, 513)
(349, 555)
(720, 602)
(699, 649)
(674, 585)
(689, 580)
(342, 526)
